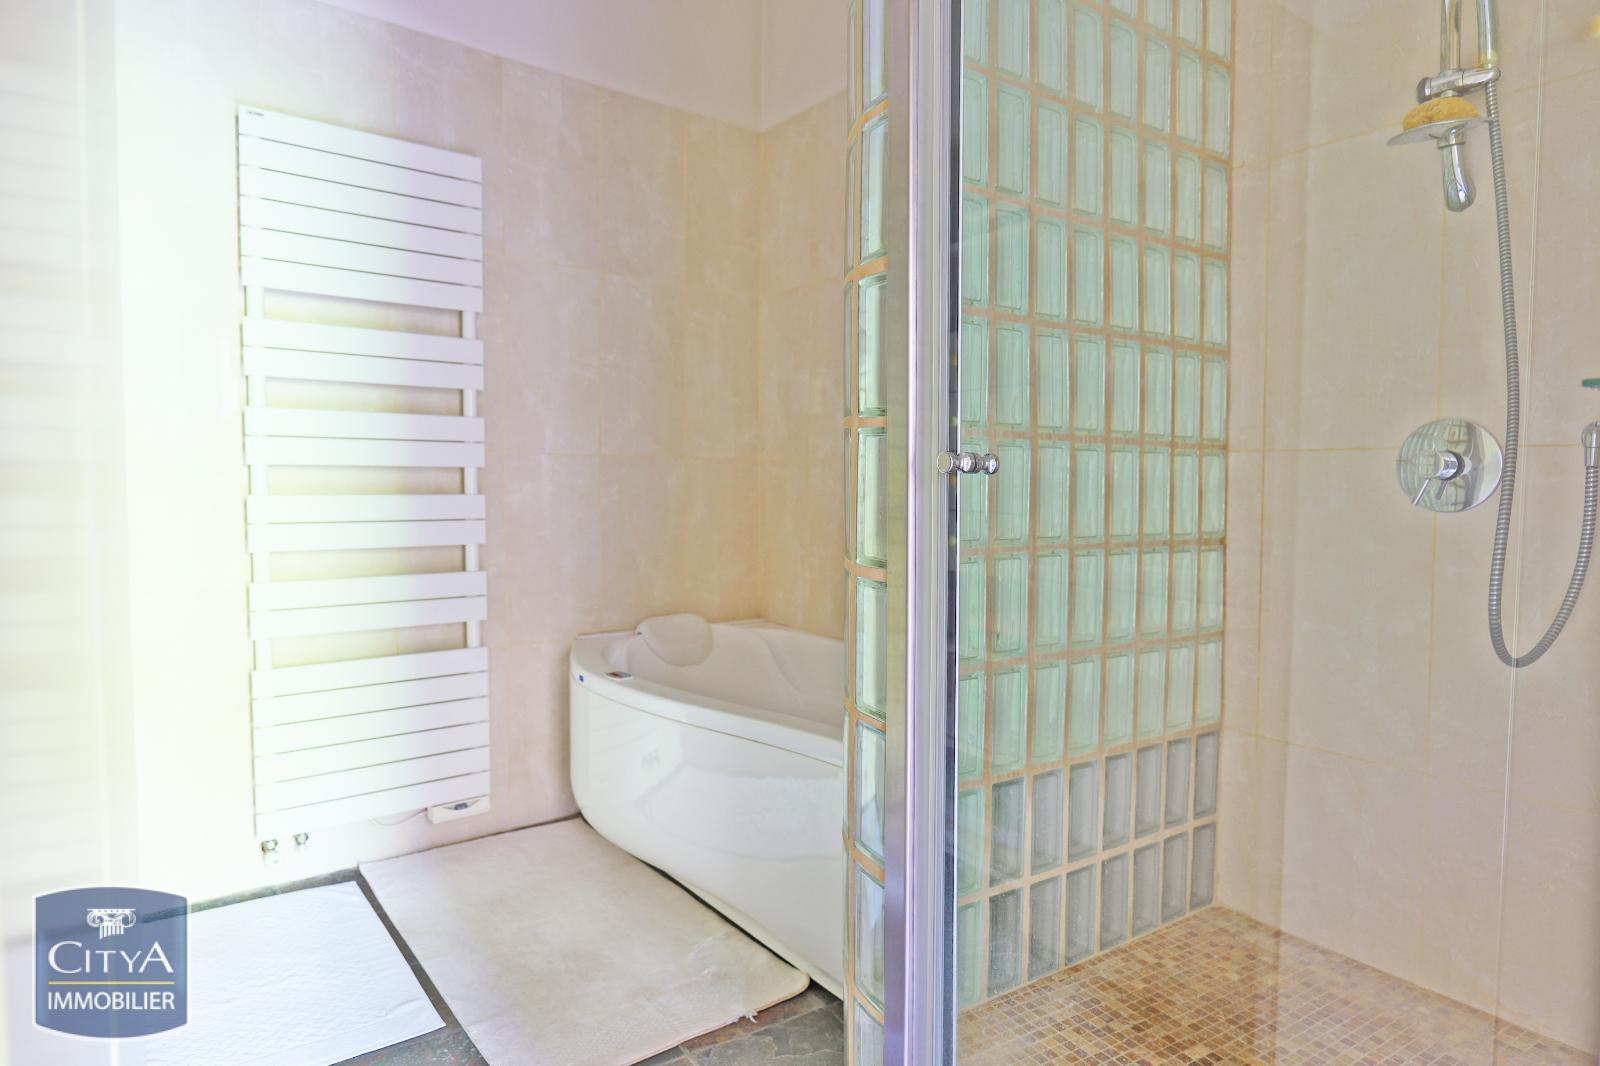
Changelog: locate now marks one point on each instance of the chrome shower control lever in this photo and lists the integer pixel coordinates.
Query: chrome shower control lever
(968, 463)
(1449, 465)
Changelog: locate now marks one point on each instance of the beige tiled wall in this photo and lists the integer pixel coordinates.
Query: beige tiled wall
(801, 449)
(1369, 727)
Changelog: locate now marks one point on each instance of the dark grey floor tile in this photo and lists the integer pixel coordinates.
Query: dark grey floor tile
(812, 1039)
(674, 1055)
(807, 1001)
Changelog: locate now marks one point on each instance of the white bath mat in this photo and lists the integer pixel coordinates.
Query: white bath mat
(554, 948)
(304, 978)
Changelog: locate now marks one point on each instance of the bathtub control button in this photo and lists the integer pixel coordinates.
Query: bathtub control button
(968, 463)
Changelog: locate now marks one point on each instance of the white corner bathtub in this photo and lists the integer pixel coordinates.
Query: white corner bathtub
(728, 775)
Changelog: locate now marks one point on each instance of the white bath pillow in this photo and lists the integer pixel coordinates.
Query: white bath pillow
(677, 639)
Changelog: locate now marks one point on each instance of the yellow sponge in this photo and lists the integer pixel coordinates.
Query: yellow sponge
(1439, 109)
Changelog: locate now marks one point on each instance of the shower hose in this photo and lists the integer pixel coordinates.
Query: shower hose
(1591, 480)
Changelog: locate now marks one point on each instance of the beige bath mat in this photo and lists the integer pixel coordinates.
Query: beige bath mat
(554, 948)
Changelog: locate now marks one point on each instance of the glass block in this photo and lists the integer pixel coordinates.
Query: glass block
(1005, 941)
(1086, 64)
(1186, 396)
(969, 948)
(1010, 374)
(1157, 187)
(973, 505)
(852, 225)
(1050, 270)
(1083, 811)
(1180, 687)
(1214, 225)
(1050, 150)
(1202, 872)
(1124, 515)
(1186, 296)
(869, 771)
(1089, 492)
(1012, 122)
(969, 841)
(974, 128)
(869, 344)
(1123, 94)
(1122, 605)
(1184, 582)
(1080, 914)
(1208, 683)
(1050, 602)
(1159, 14)
(1122, 198)
(1007, 820)
(872, 617)
(1119, 699)
(1219, 27)
(1011, 492)
(1157, 392)
(1214, 512)
(1152, 693)
(1049, 827)
(1127, 7)
(1044, 928)
(970, 718)
(1088, 597)
(1214, 412)
(1153, 593)
(1089, 414)
(868, 1039)
(1083, 699)
(1049, 711)
(974, 250)
(1176, 807)
(975, 31)
(1011, 258)
(1206, 747)
(871, 454)
(874, 52)
(1174, 877)
(1054, 469)
(1147, 794)
(1088, 274)
(1050, 51)
(1118, 822)
(1146, 889)
(1219, 110)
(1215, 285)
(974, 370)
(1010, 605)
(1189, 20)
(972, 588)
(1054, 380)
(1157, 493)
(1113, 902)
(1188, 118)
(1157, 84)
(1087, 168)
(874, 173)
(1210, 599)
(869, 936)
(1185, 494)
(1009, 742)
(1157, 290)
(1011, 36)
(1125, 360)
(1124, 312)
(1186, 181)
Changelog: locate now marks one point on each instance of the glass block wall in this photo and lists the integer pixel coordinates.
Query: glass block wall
(865, 426)
(1094, 362)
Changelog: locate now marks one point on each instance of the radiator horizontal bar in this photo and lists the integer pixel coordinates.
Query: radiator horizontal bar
(347, 255)
(355, 340)
(363, 618)
(321, 451)
(350, 536)
(360, 369)
(357, 285)
(368, 507)
(274, 125)
(404, 717)
(359, 425)
(283, 824)
(334, 758)
(362, 173)
(331, 196)
(281, 795)
(351, 673)
(320, 222)
(348, 591)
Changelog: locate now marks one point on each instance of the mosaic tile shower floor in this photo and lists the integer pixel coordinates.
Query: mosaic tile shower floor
(1219, 988)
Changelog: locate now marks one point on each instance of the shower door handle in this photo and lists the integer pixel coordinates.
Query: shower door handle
(968, 463)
